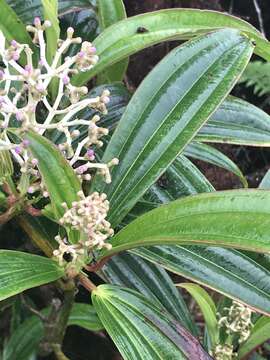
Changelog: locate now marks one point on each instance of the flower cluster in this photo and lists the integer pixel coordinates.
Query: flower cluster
(223, 352)
(26, 88)
(237, 321)
(25, 92)
(88, 215)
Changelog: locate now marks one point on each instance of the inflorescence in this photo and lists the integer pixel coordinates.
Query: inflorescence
(26, 88)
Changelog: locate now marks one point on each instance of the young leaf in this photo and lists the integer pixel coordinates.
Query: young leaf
(208, 308)
(237, 122)
(236, 218)
(160, 121)
(138, 32)
(20, 271)
(110, 12)
(259, 334)
(213, 156)
(227, 271)
(141, 329)
(58, 176)
(265, 183)
(152, 281)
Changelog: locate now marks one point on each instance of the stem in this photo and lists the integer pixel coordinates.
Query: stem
(86, 283)
(58, 352)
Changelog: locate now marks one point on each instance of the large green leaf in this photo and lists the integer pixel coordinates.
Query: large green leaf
(135, 33)
(213, 156)
(110, 12)
(11, 25)
(259, 334)
(58, 177)
(230, 272)
(237, 218)
(152, 281)
(160, 121)
(20, 271)
(141, 329)
(237, 122)
(26, 338)
(207, 307)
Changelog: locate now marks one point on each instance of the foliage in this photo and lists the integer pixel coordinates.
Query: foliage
(257, 75)
(101, 180)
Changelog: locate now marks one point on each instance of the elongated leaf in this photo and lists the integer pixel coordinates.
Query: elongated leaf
(141, 329)
(59, 178)
(259, 334)
(110, 12)
(150, 280)
(20, 271)
(213, 156)
(26, 338)
(208, 308)
(160, 121)
(135, 33)
(230, 272)
(237, 218)
(50, 9)
(11, 25)
(237, 122)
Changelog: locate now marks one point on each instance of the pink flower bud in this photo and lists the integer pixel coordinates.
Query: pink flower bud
(25, 143)
(18, 149)
(31, 190)
(66, 79)
(2, 74)
(14, 43)
(19, 116)
(37, 21)
(105, 99)
(92, 49)
(34, 162)
(81, 54)
(40, 87)
(90, 154)
(15, 56)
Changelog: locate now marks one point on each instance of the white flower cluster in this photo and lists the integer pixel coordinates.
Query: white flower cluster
(237, 321)
(88, 215)
(23, 89)
(224, 352)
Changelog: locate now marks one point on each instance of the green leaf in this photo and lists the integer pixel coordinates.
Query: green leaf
(227, 271)
(29, 9)
(208, 308)
(50, 9)
(11, 25)
(58, 176)
(125, 38)
(26, 338)
(237, 122)
(213, 156)
(236, 218)
(110, 12)
(259, 334)
(150, 280)
(141, 329)
(257, 74)
(20, 271)
(160, 121)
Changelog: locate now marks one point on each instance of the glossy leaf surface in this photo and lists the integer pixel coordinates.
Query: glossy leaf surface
(160, 121)
(230, 272)
(110, 12)
(125, 38)
(238, 219)
(20, 271)
(237, 122)
(141, 329)
(28, 10)
(152, 281)
(50, 10)
(213, 156)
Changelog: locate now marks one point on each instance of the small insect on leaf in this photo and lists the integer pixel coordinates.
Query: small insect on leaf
(141, 30)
